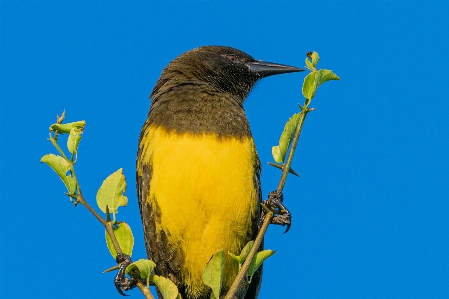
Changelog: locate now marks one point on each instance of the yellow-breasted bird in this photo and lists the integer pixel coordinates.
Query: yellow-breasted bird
(197, 166)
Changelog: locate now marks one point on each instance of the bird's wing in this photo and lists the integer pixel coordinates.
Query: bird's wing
(256, 281)
(168, 263)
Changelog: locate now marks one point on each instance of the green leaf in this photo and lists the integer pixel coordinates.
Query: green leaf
(309, 63)
(74, 140)
(315, 59)
(213, 273)
(166, 287)
(245, 251)
(324, 76)
(309, 86)
(65, 128)
(145, 267)
(124, 237)
(61, 166)
(111, 192)
(276, 153)
(279, 152)
(314, 79)
(260, 257)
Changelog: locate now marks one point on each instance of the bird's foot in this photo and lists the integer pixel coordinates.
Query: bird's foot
(282, 215)
(123, 283)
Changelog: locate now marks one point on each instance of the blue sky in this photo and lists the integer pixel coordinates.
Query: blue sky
(370, 211)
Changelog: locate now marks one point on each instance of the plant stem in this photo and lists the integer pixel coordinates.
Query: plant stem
(291, 153)
(269, 216)
(58, 148)
(107, 224)
(244, 269)
(145, 291)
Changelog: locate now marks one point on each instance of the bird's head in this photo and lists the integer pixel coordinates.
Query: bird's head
(227, 69)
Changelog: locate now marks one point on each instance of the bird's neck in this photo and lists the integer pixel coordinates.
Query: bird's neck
(199, 109)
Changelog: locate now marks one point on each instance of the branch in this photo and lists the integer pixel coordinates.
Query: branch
(145, 291)
(53, 141)
(269, 216)
(79, 198)
(286, 167)
(108, 226)
(244, 269)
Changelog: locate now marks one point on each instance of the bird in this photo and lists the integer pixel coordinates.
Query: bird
(198, 171)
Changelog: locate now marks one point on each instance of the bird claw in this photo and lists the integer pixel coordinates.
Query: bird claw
(284, 219)
(282, 215)
(121, 281)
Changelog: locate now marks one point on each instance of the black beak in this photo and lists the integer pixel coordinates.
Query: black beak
(264, 69)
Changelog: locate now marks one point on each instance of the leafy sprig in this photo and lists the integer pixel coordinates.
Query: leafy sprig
(110, 197)
(288, 140)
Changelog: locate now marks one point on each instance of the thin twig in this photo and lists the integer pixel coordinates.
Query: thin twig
(145, 291)
(244, 269)
(80, 199)
(109, 228)
(108, 224)
(291, 153)
(58, 148)
(269, 216)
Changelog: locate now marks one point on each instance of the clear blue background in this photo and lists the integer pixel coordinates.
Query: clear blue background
(370, 211)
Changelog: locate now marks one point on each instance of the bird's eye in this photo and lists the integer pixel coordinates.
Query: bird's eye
(231, 57)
